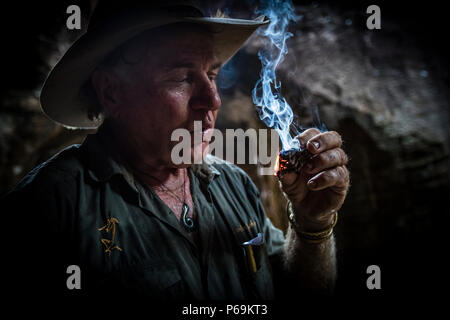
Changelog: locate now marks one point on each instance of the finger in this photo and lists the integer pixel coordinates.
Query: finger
(326, 160)
(324, 141)
(306, 135)
(337, 178)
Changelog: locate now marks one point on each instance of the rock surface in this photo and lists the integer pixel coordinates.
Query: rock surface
(388, 97)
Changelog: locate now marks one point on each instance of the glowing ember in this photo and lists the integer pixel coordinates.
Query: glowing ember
(291, 160)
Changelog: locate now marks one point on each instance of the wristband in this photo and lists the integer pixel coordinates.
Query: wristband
(310, 237)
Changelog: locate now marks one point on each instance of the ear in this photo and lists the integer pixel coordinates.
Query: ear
(108, 89)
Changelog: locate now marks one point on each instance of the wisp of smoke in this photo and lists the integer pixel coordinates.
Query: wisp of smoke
(273, 109)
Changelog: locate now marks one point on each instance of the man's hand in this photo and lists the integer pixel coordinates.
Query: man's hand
(320, 188)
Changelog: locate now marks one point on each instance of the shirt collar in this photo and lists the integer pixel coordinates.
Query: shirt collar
(206, 171)
(101, 160)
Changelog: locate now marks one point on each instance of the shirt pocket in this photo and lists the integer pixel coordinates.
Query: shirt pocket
(158, 279)
(256, 268)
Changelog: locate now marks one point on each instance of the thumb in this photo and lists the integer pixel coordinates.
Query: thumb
(288, 181)
(294, 185)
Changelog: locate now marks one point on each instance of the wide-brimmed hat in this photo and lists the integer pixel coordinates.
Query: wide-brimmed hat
(111, 25)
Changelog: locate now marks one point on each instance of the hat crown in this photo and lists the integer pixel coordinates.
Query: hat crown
(107, 11)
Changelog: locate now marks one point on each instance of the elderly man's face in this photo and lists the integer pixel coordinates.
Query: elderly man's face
(172, 86)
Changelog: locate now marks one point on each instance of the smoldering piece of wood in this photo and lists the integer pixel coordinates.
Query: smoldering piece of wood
(292, 160)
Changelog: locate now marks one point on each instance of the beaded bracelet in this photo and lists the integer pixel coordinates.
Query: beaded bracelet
(310, 237)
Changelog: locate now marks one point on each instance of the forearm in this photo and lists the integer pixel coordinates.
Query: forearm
(315, 193)
(311, 265)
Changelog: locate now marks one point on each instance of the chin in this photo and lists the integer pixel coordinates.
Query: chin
(199, 152)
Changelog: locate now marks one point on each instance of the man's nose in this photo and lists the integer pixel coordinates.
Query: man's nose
(206, 95)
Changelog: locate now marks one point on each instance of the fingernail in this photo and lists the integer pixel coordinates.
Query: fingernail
(316, 145)
(312, 183)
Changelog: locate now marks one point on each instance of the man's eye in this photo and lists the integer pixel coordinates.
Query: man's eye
(182, 79)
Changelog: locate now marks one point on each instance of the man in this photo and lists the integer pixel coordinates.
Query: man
(119, 208)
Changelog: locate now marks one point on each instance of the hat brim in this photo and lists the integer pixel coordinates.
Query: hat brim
(61, 98)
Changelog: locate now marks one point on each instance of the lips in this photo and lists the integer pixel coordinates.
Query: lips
(206, 133)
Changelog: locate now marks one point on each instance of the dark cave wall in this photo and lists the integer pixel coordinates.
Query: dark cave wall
(387, 95)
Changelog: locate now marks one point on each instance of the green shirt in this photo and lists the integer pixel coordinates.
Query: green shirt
(82, 207)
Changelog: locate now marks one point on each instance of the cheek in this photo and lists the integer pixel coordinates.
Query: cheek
(163, 107)
(178, 96)
(172, 105)
(159, 113)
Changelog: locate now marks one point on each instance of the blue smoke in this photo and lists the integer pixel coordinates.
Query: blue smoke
(273, 109)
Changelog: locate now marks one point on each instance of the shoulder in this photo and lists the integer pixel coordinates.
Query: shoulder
(226, 167)
(232, 172)
(54, 174)
(47, 196)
